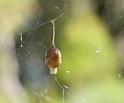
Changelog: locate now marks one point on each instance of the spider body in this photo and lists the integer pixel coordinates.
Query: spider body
(53, 59)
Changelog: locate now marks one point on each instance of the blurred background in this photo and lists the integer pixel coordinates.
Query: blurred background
(89, 34)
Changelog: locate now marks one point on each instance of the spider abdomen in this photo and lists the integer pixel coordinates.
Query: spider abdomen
(53, 57)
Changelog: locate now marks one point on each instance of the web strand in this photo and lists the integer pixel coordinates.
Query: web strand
(21, 39)
(44, 23)
(53, 35)
(63, 89)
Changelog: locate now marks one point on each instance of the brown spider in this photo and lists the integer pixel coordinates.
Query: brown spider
(53, 56)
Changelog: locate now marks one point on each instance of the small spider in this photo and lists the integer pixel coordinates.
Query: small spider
(53, 56)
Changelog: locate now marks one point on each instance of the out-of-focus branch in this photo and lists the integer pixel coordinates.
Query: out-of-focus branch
(9, 70)
(13, 14)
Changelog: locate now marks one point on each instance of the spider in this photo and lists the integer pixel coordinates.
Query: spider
(53, 55)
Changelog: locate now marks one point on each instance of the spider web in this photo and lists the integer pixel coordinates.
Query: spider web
(31, 45)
